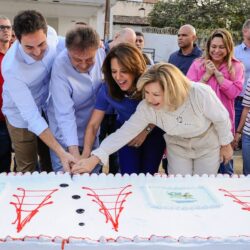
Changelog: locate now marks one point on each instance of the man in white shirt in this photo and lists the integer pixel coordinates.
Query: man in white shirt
(26, 70)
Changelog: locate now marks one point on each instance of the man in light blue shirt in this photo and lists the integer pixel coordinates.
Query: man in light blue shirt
(26, 69)
(75, 80)
(242, 53)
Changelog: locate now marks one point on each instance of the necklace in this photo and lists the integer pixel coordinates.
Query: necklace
(131, 96)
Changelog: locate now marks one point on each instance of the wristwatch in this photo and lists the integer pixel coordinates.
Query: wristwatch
(148, 129)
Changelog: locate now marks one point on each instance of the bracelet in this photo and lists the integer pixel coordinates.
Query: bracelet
(218, 75)
(238, 132)
(148, 129)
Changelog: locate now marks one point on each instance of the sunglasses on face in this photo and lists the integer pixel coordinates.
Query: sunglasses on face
(5, 27)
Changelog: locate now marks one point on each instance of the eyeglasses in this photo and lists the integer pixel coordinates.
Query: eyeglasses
(5, 27)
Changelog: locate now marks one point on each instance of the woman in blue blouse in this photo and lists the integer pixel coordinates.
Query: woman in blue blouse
(122, 67)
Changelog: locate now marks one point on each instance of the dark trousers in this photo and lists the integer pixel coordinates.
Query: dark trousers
(146, 158)
(108, 126)
(238, 107)
(5, 148)
(238, 110)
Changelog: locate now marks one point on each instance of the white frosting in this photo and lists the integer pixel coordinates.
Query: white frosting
(137, 222)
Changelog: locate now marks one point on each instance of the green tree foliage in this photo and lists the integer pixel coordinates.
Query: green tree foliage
(202, 14)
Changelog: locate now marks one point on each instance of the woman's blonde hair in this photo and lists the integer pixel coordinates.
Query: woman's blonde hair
(228, 43)
(174, 84)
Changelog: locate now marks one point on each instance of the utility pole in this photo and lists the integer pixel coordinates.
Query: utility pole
(107, 21)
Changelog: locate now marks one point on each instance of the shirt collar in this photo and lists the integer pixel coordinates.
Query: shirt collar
(195, 51)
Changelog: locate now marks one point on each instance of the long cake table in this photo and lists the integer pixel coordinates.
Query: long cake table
(52, 211)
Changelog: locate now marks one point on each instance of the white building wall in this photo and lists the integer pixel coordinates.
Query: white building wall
(98, 22)
(128, 8)
(63, 17)
(119, 27)
(64, 24)
(164, 45)
(60, 16)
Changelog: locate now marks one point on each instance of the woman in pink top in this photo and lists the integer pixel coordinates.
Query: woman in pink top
(219, 69)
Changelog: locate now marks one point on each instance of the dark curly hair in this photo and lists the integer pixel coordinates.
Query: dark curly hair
(82, 37)
(28, 21)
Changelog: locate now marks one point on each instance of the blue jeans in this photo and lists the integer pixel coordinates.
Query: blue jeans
(108, 126)
(5, 148)
(246, 153)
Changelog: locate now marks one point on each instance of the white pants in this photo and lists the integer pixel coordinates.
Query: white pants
(197, 155)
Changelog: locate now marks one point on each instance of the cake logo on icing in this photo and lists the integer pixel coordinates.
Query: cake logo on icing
(28, 203)
(180, 197)
(111, 202)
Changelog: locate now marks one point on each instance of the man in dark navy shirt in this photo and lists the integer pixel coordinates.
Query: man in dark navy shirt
(188, 51)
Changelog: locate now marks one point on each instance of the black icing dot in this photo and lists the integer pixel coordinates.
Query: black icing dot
(63, 185)
(81, 224)
(76, 197)
(80, 211)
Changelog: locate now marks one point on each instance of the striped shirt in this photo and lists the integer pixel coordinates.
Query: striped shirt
(246, 103)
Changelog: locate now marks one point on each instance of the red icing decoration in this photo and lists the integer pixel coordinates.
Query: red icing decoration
(22, 207)
(120, 199)
(237, 196)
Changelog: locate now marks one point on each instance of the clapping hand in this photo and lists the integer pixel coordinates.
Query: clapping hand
(210, 67)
